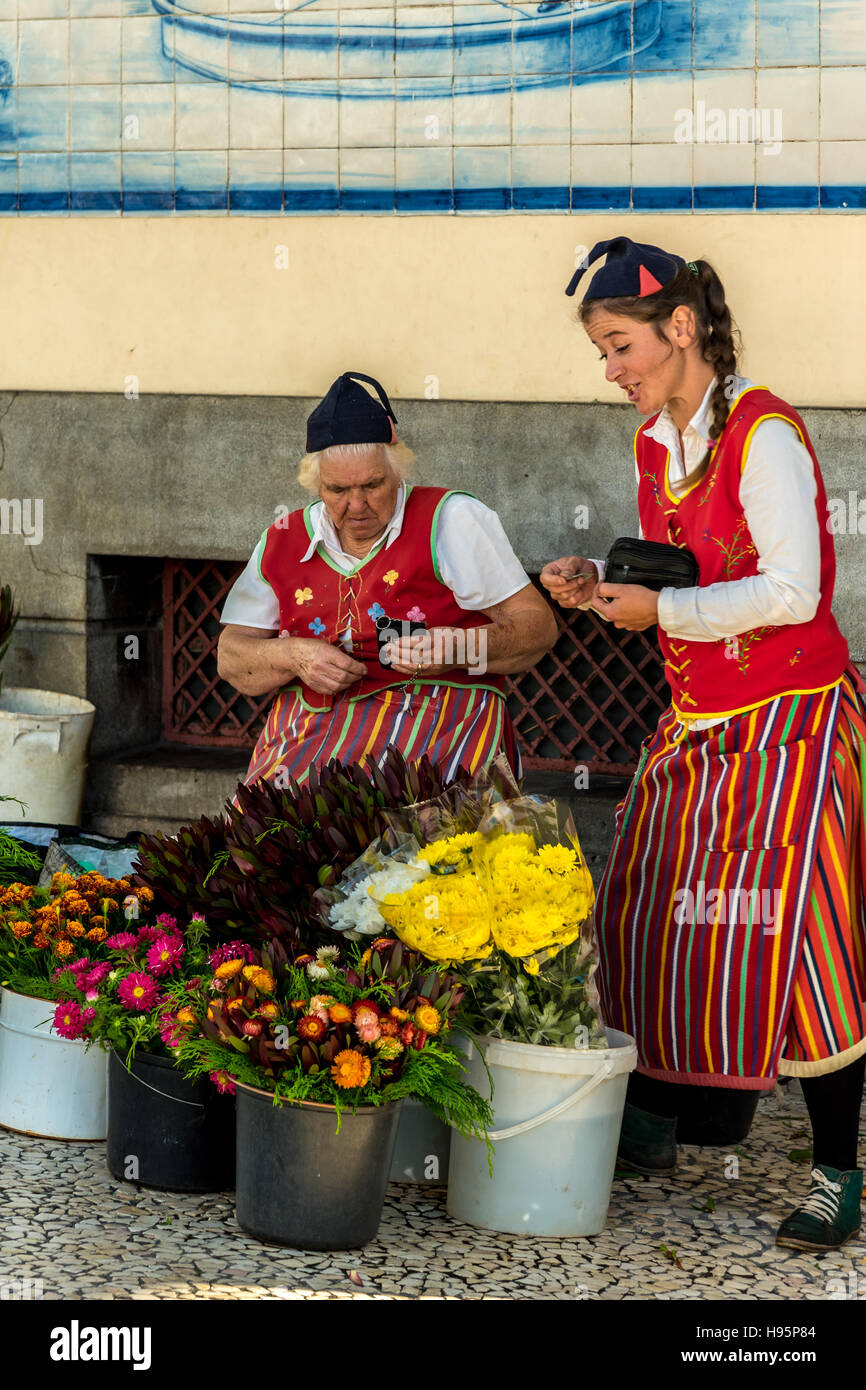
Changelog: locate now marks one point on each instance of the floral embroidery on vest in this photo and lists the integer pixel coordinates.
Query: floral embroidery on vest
(303, 595)
(737, 550)
(390, 578)
(653, 485)
(738, 647)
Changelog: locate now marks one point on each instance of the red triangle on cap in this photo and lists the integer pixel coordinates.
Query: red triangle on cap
(648, 282)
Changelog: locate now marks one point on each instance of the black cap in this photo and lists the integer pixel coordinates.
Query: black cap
(632, 269)
(349, 415)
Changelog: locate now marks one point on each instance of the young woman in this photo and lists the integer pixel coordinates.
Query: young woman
(731, 915)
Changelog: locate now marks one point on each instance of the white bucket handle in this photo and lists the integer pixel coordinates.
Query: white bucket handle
(50, 734)
(581, 1093)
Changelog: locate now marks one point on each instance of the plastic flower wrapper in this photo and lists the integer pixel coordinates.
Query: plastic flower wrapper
(349, 908)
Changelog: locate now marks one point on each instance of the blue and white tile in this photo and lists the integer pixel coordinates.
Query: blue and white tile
(790, 96)
(307, 58)
(424, 179)
(311, 180)
(8, 184)
(482, 118)
(9, 136)
(43, 9)
(142, 58)
(94, 182)
(482, 40)
(43, 52)
(201, 180)
(541, 115)
(9, 51)
(368, 122)
(201, 116)
(367, 44)
(661, 177)
(43, 118)
(94, 50)
(97, 9)
(601, 111)
(43, 183)
(255, 119)
(672, 47)
(255, 49)
(722, 91)
(540, 177)
(9, 12)
(425, 41)
(843, 104)
(724, 35)
(148, 181)
(658, 102)
(256, 181)
(367, 180)
(482, 178)
(724, 178)
(600, 177)
(843, 31)
(788, 180)
(312, 122)
(94, 118)
(549, 52)
(147, 115)
(423, 115)
(787, 32)
(843, 175)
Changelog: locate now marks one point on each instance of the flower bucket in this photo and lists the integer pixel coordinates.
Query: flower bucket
(423, 1146)
(166, 1131)
(49, 1085)
(301, 1183)
(44, 737)
(558, 1114)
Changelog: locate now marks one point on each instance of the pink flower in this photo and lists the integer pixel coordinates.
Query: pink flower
(168, 1034)
(415, 615)
(121, 941)
(91, 995)
(88, 1015)
(138, 991)
(366, 1023)
(68, 1021)
(233, 950)
(196, 917)
(166, 921)
(165, 955)
(83, 963)
(95, 976)
(318, 1005)
(223, 1082)
(148, 934)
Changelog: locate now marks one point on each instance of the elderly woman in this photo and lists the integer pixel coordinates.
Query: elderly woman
(399, 609)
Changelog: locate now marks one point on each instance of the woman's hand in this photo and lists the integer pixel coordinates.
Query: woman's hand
(429, 654)
(323, 667)
(630, 606)
(571, 581)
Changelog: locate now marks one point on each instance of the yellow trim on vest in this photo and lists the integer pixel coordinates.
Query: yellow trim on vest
(746, 709)
(677, 497)
(773, 415)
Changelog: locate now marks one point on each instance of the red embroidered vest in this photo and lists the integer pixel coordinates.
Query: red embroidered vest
(734, 674)
(400, 581)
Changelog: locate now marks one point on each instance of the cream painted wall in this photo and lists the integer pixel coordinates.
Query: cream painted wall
(196, 304)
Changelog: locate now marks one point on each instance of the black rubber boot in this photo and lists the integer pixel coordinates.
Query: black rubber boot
(647, 1143)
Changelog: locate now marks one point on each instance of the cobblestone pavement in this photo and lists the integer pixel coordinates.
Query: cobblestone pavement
(698, 1235)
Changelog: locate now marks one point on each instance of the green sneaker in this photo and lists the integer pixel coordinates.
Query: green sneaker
(830, 1214)
(647, 1143)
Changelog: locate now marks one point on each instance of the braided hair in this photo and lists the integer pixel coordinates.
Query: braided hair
(718, 338)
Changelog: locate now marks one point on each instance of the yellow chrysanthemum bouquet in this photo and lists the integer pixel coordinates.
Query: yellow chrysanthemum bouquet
(506, 904)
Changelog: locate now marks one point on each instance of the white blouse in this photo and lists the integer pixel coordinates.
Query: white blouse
(777, 492)
(475, 557)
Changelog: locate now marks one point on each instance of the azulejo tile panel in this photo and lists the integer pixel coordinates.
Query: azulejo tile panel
(231, 106)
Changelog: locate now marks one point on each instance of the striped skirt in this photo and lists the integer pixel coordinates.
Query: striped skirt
(455, 727)
(730, 916)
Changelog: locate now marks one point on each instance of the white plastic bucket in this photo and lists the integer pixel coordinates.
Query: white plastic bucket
(43, 754)
(48, 1085)
(557, 1116)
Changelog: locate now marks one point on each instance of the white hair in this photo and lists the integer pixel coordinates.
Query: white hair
(398, 457)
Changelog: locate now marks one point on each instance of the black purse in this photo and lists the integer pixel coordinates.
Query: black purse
(651, 563)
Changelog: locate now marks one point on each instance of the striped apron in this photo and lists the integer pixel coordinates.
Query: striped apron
(730, 916)
(454, 726)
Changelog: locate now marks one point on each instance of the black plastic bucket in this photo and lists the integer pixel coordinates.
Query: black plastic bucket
(713, 1115)
(165, 1131)
(301, 1183)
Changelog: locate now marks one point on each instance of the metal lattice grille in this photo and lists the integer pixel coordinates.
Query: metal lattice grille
(590, 701)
